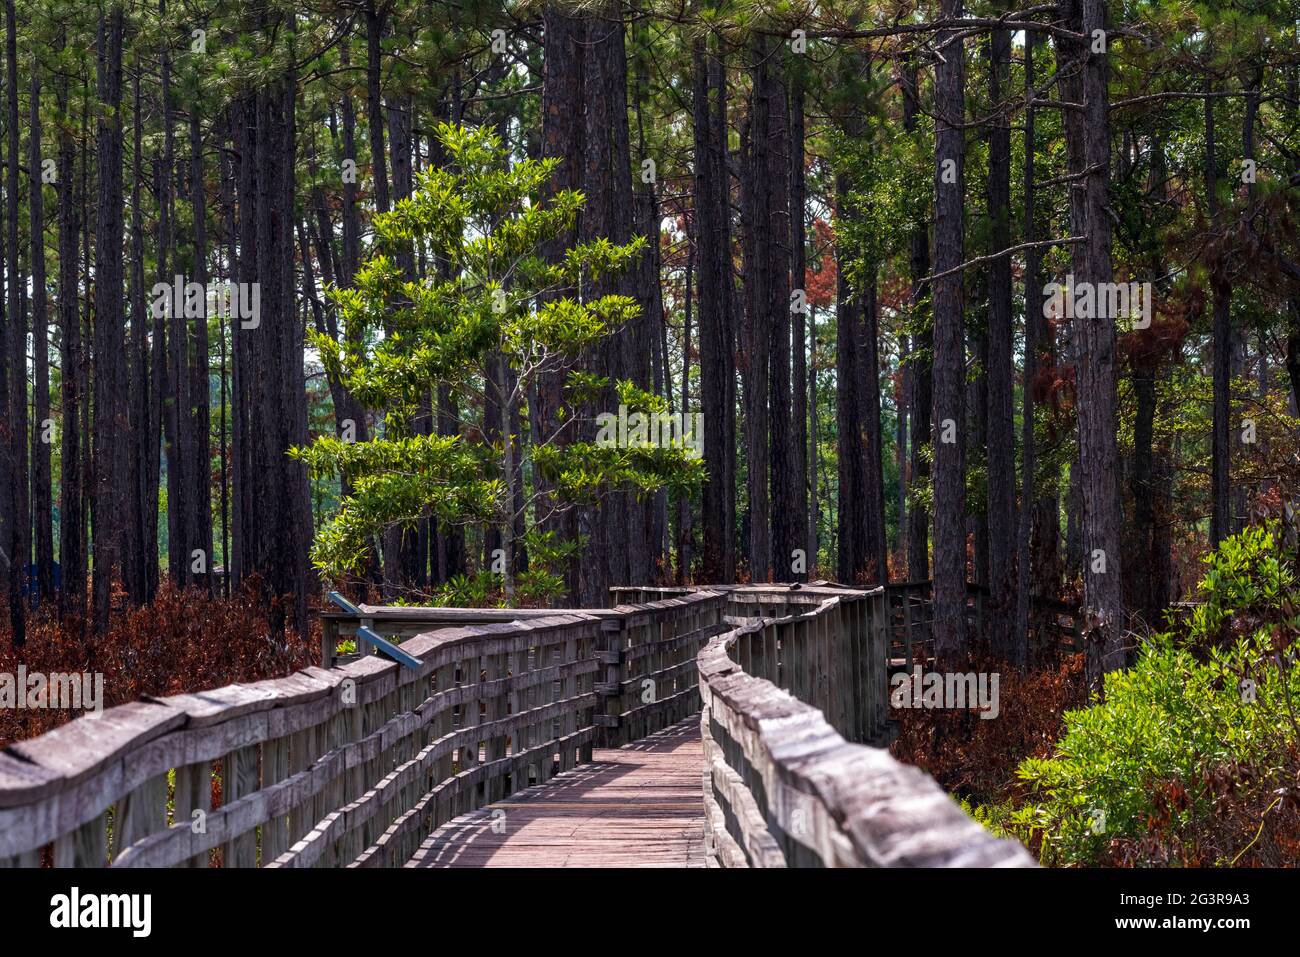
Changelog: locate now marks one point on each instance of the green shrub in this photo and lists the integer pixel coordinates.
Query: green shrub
(1149, 758)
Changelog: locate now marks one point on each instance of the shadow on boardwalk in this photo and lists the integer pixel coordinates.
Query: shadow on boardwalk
(635, 806)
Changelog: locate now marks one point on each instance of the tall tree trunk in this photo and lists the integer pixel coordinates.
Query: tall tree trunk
(414, 541)
(765, 211)
(41, 440)
(72, 541)
(1088, 132)
(1000, 419)
(87, 329)
(798, 507)
(607, 184)
(1034, 320)
(713, 242)
(875, 542)
(649, 533)
(774, 185)
(350, 260)
(949, 348)
(110, 382)
(1221, 348)
(814, 504)
(921, 365)
(977, 401)
(851, 485)
(375, 16)
(227, 175)
(135, 562)
(684, 556)
(1143, 591)
(18, 517)
(648, 530)
(902, 393)
(562, 139)
(158, 395)
(200, 419)
(8, 474)
(272, 489)
(1044, 540)
(181, 526)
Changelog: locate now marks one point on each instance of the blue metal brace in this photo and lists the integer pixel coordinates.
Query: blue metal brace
(383, 645)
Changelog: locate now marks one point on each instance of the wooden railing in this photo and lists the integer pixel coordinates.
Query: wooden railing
(399, 622)
(907, 614)
(353, 765)
(784, 782)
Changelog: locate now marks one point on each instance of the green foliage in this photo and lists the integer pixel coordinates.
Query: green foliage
(1190, 707)
(548, 556)
(490, 296)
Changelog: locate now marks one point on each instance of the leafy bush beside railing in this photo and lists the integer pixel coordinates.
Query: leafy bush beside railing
(1192, 756)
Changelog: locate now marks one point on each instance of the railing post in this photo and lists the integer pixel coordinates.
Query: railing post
(609, 689)
(329, 642)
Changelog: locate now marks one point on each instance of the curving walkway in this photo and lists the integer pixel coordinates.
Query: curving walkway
(636, 806)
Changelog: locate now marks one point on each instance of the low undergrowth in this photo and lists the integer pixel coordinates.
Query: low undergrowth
(181, 641)
(1190, 758)
(974, 758)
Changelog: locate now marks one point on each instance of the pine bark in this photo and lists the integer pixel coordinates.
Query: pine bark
(800, 529)
(135, 563)
(199, 419)
(920, 365)
(1034, 326)
(949, 409)
(562, 139)
(713, 242)
(607, 184)
(17, 518)
(1221, 349)
(999, 416)
(110, 382)
(42, 493)
(1088, 147)
(72, 540)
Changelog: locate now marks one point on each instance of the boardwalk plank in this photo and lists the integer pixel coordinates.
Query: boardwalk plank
(635, 806)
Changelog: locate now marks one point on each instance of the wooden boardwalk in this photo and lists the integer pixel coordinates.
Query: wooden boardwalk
(636, 806)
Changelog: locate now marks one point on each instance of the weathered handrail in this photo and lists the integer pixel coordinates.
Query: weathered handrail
(783, 787)
(353, 765)
(399, 622)
(907, 616)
